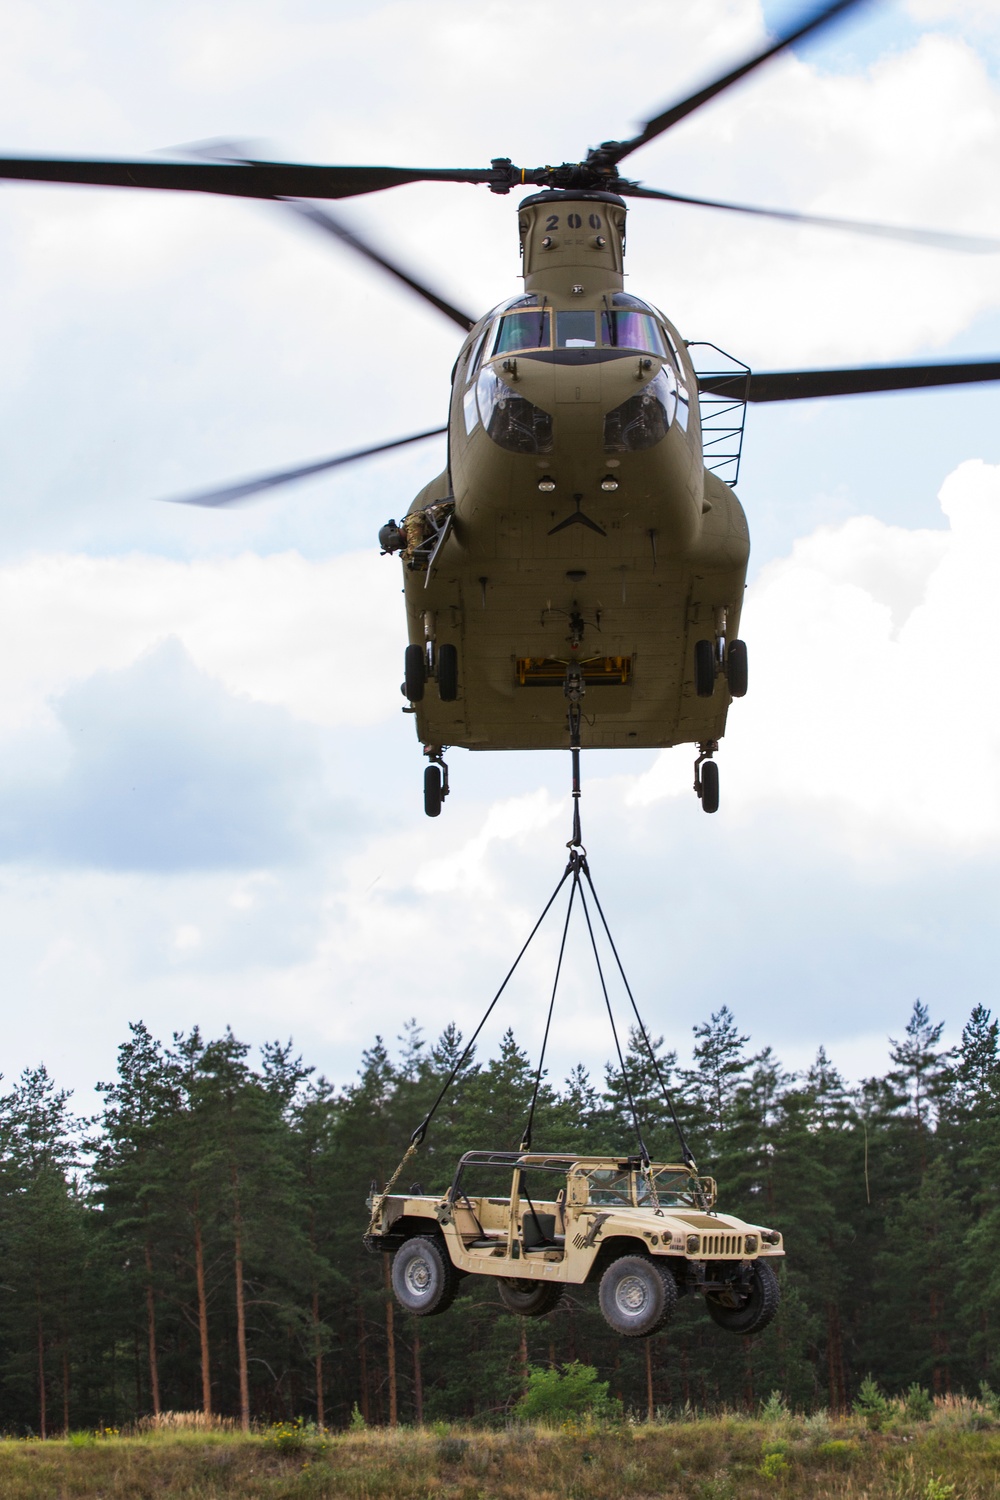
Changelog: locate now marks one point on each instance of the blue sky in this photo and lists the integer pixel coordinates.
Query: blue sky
(209, 800)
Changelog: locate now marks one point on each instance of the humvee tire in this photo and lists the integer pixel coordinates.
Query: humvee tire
(758, 1308)
(637, 1296)
(529, 1299)
(423, 1277)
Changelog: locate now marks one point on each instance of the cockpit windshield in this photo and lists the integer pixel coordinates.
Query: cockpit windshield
(523, 330)
(626, 324)
(630, 324)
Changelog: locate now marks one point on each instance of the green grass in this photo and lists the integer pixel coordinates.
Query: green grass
(955, 1455)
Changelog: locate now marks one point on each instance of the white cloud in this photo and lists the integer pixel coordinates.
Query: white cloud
(871, 681)
(322, 639)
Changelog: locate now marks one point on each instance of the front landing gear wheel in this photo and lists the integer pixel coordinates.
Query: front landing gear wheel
(423, 1278)
(710, 787)
(751, 1310)
(432, 791)
(704, 668)
(414, 673)
(529, 1299)
(637, 1296)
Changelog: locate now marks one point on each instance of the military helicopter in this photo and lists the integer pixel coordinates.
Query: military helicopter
(575, 575)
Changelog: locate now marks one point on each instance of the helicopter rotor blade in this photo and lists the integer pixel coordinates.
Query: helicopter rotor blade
(324, 220)
(936, 238)
(808, 385)
(236, 151)
(234, 493)
(255, 179)
(616, 151)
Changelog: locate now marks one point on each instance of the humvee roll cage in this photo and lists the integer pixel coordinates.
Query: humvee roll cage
(539, 1162)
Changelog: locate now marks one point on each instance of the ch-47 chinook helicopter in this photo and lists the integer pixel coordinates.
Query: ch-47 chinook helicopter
(578, 541)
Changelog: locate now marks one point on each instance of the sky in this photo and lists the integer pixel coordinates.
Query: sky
(210, 807)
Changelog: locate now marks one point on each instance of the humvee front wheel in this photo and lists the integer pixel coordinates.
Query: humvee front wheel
(529, 1299)
(755, 1309)
(637, 1296)
(423, 1278)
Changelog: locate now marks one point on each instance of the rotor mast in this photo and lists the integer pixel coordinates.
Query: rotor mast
(572, 242)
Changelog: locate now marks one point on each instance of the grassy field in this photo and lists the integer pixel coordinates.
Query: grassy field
(955, 1455)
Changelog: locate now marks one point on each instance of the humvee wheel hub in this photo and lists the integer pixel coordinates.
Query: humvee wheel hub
(631, 1295)
(418, 1277)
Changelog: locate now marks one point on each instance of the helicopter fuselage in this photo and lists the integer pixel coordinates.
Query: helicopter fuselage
(576, 524)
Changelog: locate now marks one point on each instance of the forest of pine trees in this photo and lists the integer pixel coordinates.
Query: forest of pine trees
(197, 1245)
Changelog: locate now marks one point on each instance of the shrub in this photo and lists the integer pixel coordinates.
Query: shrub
(775, 1408)
(871, 1404)
(295, 1437)
(773, 1465)
(937, 1489)
(357, 1422)
(556, 1396)
(989, 1398)
(917, 1403)
(837, 1452)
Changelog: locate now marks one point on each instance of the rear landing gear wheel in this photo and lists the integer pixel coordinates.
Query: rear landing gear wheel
(414, 673)
(704, 668)
(447, 673)
(736, 668)
(528, 1299)
(710, 787)
(432, 791)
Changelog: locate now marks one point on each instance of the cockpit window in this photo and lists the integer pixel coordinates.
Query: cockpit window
(623, 328)
(523, 330)
(576, 330)
(474, 354)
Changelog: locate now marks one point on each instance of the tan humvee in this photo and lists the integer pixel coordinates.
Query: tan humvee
(643, 1235)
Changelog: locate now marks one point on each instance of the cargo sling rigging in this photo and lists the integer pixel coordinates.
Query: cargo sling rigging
(577, 872)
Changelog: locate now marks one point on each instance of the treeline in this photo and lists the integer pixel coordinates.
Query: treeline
(198, 1244)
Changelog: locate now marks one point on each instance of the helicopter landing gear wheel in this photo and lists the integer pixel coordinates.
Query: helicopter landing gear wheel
(414, 673)
(706, 776)
(435, 781)
(432, 791)
(736, 668)
(447, 673)
(704, 668)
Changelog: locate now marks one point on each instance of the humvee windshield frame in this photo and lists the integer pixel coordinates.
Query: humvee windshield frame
(614, 1181)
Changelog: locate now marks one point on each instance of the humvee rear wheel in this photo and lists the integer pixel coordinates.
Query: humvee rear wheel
(637, 1296)
(755, 1309)
(423, 1278)
(529, 1299)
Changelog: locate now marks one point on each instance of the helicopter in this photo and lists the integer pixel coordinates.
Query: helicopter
(576, 573)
